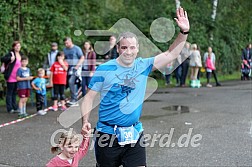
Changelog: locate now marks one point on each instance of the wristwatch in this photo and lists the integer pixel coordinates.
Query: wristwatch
(184, 33)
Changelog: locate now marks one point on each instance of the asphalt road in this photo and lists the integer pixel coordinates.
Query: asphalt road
(184, 127)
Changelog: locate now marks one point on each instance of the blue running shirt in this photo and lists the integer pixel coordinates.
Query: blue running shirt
(122, 91)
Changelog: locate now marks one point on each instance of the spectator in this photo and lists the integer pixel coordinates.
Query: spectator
(185, 54)
(58, 80)
(112, 53)
(51, 57)
(24, 85)
(39, 84)
(75, 58)
(210, 70)
(247, 53)
(12, 61)
(195, 64)
(88, 67)
(167, 73)
(178, 75)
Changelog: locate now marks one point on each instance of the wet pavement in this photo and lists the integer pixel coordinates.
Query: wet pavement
(183, 127)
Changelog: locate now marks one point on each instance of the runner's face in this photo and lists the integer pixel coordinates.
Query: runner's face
(127, 50)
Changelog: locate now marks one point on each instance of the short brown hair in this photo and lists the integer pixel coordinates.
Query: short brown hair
(24, 58)
(127, 35)
(66, 39)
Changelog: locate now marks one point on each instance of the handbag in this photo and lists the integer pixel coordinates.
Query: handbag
(210, 64)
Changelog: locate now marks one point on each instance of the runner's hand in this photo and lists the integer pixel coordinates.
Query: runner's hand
(86, 129)
(182, 20)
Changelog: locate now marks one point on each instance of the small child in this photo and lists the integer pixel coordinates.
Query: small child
(209, 67)
(39, 84)
(23, 77)
(58, 80)
(72, 150)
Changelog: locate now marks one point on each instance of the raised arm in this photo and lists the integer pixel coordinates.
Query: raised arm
(174, 50)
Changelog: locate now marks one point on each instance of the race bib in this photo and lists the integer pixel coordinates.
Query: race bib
(126, 135)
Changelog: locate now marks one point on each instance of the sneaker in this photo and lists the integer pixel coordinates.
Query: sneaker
(73, 103)
(55, 108)
(11, 111)
(42, 112)
(218, 84)
(76, 104)
(14, 111)
(26, 115)
(209, 85)
(63, 108)
(20, 115)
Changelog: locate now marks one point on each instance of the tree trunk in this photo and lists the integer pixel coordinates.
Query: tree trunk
(215, 4)
(177, 3)
(213, 16)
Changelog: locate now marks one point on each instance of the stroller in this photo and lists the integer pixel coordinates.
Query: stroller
(245, 70)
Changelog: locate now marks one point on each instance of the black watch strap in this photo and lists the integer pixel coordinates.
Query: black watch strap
(184, 33)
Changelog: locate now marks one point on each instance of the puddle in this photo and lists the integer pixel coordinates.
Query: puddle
(149, 100)
(163, 92)
(180, 109)
(173, 110)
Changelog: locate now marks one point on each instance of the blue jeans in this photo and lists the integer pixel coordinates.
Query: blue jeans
(178, 73)
(167, 78)
(84, 84)
(71, 83)
(185, 67)
(11, 94)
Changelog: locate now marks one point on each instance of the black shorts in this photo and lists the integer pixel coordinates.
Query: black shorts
(110, 154)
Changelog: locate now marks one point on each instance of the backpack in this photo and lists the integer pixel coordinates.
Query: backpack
(5, 66)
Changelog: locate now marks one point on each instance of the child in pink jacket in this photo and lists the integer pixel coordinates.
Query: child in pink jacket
(72, 150)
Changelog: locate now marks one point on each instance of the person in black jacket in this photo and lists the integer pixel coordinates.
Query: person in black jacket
(246, 61)
(247, 53)
(112, 53)
(12, 61)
